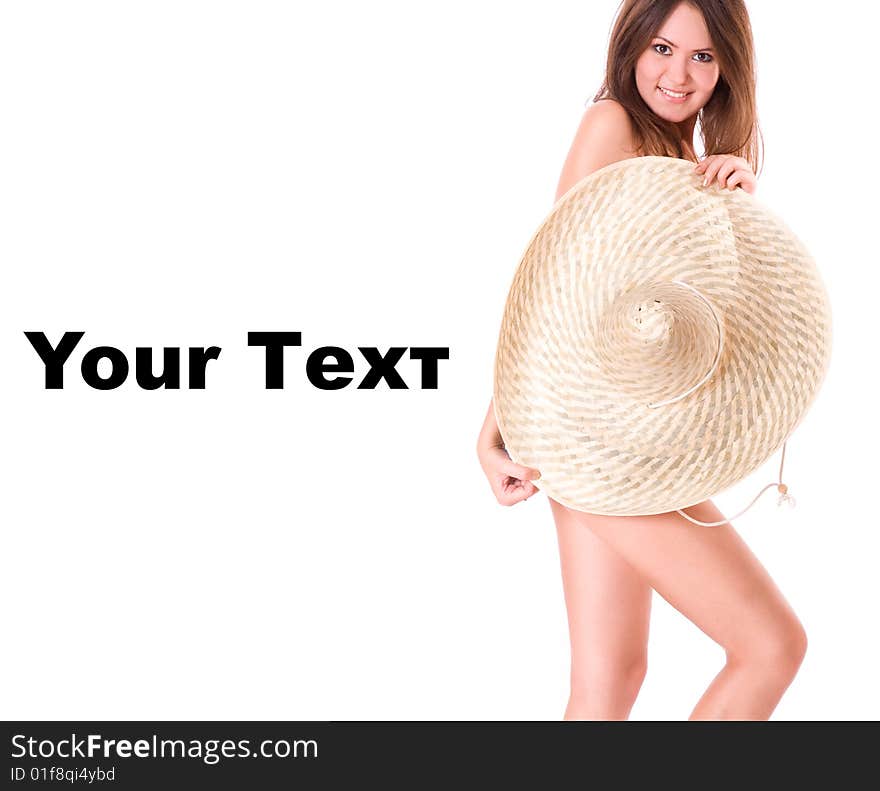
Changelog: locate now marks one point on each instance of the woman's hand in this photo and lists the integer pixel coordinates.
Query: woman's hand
(510, 482)
(730, 172)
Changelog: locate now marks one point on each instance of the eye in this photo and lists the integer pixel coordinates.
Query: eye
(709, 58)
(660, 45)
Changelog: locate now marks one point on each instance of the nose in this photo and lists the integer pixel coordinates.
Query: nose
(678, 71)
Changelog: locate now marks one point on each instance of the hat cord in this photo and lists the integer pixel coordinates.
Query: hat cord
(784, 496)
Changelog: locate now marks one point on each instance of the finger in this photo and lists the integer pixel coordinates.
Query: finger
(727, 169)
(712, 170)
(519, 471)
(515, 486)
(744, 179)
(519, 493)
(739, 177)
(701, 166)
(505, 498)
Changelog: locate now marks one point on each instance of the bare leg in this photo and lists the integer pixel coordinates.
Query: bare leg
(609, 606)
(711, 577)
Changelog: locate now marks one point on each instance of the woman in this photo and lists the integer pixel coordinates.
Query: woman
(669, 63)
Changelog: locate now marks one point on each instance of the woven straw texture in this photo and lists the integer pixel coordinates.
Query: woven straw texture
(598, 327)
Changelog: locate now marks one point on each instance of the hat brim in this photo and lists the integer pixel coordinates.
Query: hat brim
(593, 334)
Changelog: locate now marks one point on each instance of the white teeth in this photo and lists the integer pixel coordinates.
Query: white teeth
(673, 94)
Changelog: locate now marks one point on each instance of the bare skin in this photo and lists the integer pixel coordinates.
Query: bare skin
(610, 565)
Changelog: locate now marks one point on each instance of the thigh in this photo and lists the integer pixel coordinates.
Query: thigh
(707, 573)
(607, 600)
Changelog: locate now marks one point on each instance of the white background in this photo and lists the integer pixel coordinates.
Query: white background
(179, 173)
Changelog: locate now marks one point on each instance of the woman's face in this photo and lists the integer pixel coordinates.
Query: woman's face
(679, 59)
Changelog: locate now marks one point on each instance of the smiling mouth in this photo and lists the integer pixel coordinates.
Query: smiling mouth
(673, 94)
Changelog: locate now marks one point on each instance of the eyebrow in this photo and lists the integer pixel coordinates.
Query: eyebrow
(701, 49)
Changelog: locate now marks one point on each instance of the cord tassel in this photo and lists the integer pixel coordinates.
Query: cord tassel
(784, 497)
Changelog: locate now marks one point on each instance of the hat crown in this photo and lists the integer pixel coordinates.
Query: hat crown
(658, 340)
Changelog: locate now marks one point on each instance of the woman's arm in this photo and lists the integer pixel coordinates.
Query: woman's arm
(510, 482)
(490, 436)
(604, 136)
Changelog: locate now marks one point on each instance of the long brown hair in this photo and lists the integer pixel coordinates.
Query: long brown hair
(729, 121)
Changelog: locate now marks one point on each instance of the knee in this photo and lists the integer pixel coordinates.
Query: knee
(779, 651)
(636, 673)
(606, 690)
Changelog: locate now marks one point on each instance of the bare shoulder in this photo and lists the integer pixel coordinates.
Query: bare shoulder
(609, 115)
(605, 135)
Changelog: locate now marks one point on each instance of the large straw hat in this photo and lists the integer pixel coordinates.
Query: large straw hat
(661, 340)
